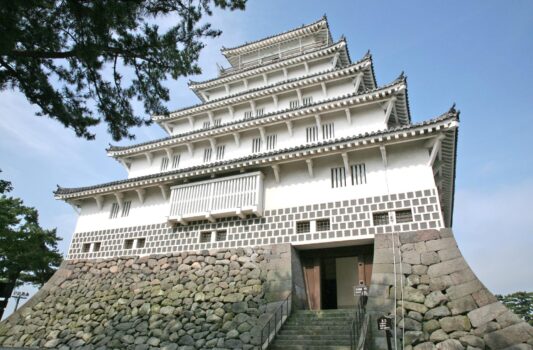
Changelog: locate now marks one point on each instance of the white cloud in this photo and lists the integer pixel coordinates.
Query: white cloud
(494, 228)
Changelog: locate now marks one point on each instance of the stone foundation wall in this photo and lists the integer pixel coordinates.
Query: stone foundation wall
(195, 300)
(422, 278)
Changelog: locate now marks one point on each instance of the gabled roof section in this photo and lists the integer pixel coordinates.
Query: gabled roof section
(444, 123)
(304, 30)
(259, 92)
(339, 46)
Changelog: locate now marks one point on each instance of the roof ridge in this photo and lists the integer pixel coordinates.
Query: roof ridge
(446, 115)
(225, 50)
(119, 148)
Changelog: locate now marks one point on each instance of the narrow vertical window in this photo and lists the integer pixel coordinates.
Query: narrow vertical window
(217, 122)
(220, 152)
(205, 237)
(328, 131)
(114, 211)
(256, 145)
(271, 141)
(311, 134)
(338, 177)
(294, 104)
(128, 244)
(86, 247)
(247, 114)
(221, 235)
(306, 101)
(126, 208)
(207, 154)
(141, 242)
(259, 112)
(164, 163)
(97, 246)
(176, 161)
(358, 174)
(207, 124)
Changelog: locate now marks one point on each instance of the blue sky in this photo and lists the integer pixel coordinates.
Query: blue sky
(478, 54)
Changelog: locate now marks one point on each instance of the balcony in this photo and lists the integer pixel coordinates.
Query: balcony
(238, 195)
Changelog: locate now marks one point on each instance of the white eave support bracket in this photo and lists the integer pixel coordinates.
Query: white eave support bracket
(300, 98)
(149, 157)
(169, 153)
(318, 121)
(75, 205)
(119, 196)
(348, 115)
(211, 119)
(437, 143)
(275, 168)
(289, 127)
(324, 89)
(231, 111)
(167, 128)
(213, 143)
(125, 163)
(191, 121)
(252, 106)
(99, 201)
(164, 191)
(262, 134)
(383, 151)
(276, 102)
(190, 148)
(390, 106)
(357, 81)
(309, 166)
(335, 60)
(237, 137)
(346, 162)
(141, 192)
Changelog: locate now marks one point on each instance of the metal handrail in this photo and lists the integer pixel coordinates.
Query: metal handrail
(275, 321)
(359, 324)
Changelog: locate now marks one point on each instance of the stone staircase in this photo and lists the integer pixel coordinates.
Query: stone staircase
(320, 330)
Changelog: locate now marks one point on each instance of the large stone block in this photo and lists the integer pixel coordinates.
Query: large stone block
(486, 313)
(462, 305)
(429, 258)
(512, 335)
(449, 253)
(461, 290)
(447, 267)
(455, 323)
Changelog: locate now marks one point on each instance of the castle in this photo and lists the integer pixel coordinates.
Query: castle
(299, 169)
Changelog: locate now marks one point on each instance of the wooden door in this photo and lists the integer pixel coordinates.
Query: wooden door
(311, 268)
(365, 269)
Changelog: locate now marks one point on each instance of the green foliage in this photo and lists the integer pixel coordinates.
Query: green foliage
(521, 303)
(59, 53)
(28, 253)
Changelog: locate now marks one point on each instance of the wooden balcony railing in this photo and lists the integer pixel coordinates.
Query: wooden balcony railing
(238, 195)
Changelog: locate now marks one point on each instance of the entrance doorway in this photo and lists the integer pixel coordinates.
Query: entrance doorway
(331, 275)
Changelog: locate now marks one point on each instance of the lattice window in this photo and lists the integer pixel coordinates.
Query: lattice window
(311, 134)
(256, 145)
(128, 244)
(176, 161)
(358, 174)
(259, 112)
(220, 152)
(306, 101)
(380, 218)
(97, 246)
(322, 225)
(205, 237)
(303, 226)
(86, 247)
(207, 154)
(405, 215)
(294, 104)
(141, 242)
(338, 177)
(217, 122)
(271, 141)
(207, 124)
(248, 114)
(126, 208)
(328, 131)
(164, 163)
(114, 211)
(221, 235)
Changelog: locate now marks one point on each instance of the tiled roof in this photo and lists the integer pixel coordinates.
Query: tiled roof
(400, 80)
(448, 116)
(228, 51)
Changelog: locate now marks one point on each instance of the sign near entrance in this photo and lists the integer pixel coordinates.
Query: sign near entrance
(360, 290)
(384, 323)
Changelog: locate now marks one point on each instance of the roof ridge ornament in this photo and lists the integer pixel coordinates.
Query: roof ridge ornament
(368, 54)
(402, 77)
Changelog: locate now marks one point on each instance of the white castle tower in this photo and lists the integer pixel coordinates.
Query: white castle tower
(293, 143)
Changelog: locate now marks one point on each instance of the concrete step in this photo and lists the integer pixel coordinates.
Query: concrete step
(293, 337)
(309, 347)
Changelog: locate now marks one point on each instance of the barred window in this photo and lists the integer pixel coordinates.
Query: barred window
(322, 225)
(380, 218)
(205, 237)
(306, 101)
(328, 131)
(86, 247)
(207, 124)
(311, 134)
(97, 246)
(164, 163)
(303, 226)
(128, 244)
(294, 104)
(259, 112)
(221, 235)
(405, 215)
(114, 211)
(358, 174)
(141, 242)
(176, 161)
(126, 208)
(207, 154)
(271, 141)
(220, 152)
(338, 177)
(217, 122)
(247, 114)
(256, 145)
